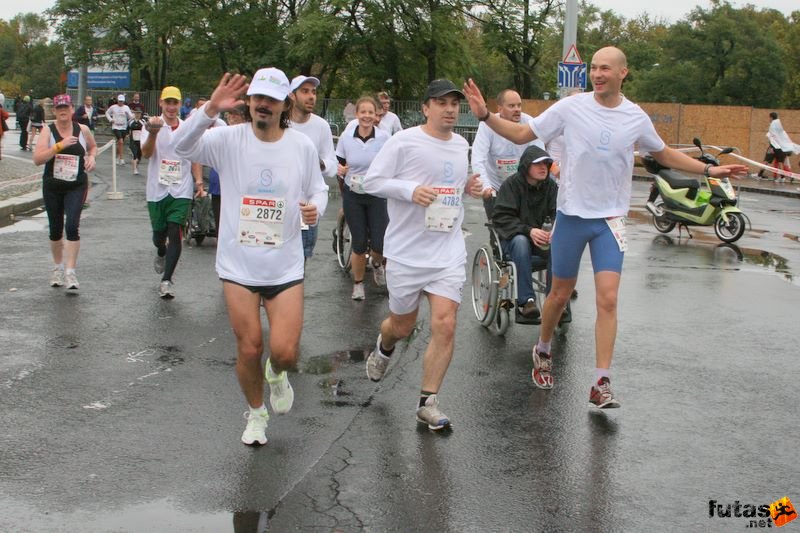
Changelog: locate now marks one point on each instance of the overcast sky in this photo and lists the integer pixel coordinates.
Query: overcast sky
(671, 10)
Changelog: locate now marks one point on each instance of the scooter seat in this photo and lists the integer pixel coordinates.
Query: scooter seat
(679, 182)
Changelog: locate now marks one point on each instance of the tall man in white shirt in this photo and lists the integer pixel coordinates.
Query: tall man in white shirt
(422, 171)
(390, 122)
(601, 130)
(270, 179)
(119, 115)
(169, 187)
(304, 98)
(494, 157)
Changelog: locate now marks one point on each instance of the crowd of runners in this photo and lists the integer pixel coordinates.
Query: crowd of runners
(403, 196)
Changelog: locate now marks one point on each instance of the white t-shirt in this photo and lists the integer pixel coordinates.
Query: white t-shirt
(287, 170)
(359, 154)
(496, 158)
(409, 159)
(390, 123)
(597, 161)
(779, 139)
(119, 116)
(165, 165)
(318, 130)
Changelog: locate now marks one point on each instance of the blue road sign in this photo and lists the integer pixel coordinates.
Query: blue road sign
(101, 80)
(572, 75)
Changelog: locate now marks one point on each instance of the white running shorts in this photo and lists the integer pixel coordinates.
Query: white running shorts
(407, 284)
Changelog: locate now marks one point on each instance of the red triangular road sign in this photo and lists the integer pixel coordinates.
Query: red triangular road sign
(572, 57)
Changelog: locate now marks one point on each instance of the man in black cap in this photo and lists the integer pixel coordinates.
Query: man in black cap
(422, 171)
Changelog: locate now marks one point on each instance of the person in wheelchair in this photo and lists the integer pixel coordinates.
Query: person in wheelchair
(523, 203)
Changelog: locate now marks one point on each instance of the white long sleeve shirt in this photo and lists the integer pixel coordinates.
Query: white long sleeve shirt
(119, 116)
(496, 158)
(319, 131)
(285, 171)
(409, 159)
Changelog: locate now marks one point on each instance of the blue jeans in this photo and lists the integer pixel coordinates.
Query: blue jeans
(524, 253)
(309, 240)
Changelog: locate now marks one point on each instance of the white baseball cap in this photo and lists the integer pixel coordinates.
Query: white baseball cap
(297, 81)
(270, 82)
(121, 98)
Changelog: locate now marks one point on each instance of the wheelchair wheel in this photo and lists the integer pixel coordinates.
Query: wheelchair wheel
(342, 244)
(484, 286)
(502, 320)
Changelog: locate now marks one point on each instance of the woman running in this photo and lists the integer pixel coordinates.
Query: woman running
(365, 214)
(67, 151)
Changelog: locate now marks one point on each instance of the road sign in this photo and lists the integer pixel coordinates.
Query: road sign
(573, 57)
(572, 75)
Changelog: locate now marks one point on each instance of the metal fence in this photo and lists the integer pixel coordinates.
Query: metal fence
(331, 109)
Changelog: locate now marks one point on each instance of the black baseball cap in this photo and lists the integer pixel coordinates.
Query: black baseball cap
(441, 87)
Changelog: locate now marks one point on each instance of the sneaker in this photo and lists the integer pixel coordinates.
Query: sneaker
(379, 273)
(600, 395)
(431, 415)
(358, 291)
(166, 290)
(57, 277)
(255, 432)
(72, 281)
(377, 363)
(158, 263)
(542, 366)
(530, 310)
(281, 394)
(136, 171)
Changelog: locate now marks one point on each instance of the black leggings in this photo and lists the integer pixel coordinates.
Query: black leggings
(168, 242)
(367, 219)
(61, 203)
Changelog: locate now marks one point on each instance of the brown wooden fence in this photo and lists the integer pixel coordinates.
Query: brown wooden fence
(742, 127)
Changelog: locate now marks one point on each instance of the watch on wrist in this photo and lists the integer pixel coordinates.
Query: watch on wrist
(706, 172)
(485, 117)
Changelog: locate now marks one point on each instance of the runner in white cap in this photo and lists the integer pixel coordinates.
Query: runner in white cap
(422, 171)
(270, 179)
(119, 115)
(303, 93)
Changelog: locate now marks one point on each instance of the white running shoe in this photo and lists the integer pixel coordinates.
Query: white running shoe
(431, 415)
(358, 291)
(72, 281)
(379, 273)
(256, 430)
(57, 277)
(377, 363)
(166, 290)
(281, 393)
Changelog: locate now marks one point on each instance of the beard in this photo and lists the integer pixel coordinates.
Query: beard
(261, 124)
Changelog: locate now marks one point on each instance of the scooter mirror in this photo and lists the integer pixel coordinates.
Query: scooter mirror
(727, 150)
(697, 143)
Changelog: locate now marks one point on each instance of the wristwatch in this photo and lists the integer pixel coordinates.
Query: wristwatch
(706, 172)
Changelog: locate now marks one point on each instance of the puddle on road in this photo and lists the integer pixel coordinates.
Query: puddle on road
(728, 256)
(327, 364)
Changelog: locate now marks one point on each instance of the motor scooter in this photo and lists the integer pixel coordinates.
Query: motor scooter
(676, 200)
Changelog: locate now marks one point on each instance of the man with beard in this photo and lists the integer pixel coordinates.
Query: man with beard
(304, 97)
(169, 187)
(270, 179)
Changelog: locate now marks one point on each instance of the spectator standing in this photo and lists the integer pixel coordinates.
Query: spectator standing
(24, 110)
(86, 114)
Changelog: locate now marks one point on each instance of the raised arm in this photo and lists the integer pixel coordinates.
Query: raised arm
(515, 132)
(669, 157)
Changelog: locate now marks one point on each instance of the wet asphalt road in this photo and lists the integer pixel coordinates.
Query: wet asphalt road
(121, 412)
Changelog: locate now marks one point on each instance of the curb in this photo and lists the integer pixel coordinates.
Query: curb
(21, 204)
